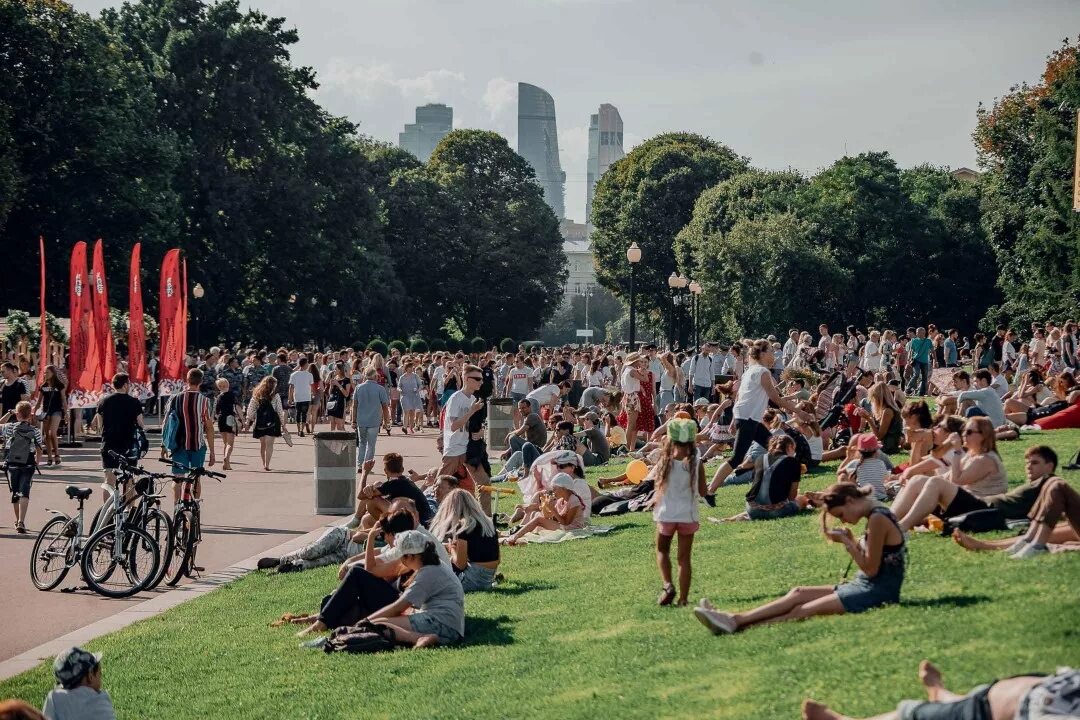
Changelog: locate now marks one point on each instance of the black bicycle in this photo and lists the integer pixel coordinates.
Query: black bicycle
(145, 510)
(187, 524)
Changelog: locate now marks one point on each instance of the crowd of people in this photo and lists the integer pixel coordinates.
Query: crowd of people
(770, 412)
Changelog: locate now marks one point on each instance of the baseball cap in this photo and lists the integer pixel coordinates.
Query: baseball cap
(410, 542)
(592, 417)
(71, 666)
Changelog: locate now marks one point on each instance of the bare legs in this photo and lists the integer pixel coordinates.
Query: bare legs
(266, 450)
(52, 441)
(663, 562)
(404, 634)
(537, 522)
(800, 603)
(1059, 535)
(631, 431)
(936, 492)
(227, 441)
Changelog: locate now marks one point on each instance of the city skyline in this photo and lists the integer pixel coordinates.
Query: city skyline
(538, 143)
(605, 147)
(779, 81)
(434, 121)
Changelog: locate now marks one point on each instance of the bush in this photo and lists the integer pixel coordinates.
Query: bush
(378, 345)
(508, 345)
(438, 344)
(453, 345)
(478, 345)
(418, 345)
(398, 345)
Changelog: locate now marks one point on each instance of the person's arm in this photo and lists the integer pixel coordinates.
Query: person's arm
(139, 421)
(459, 555)
(786, 405)
(385, 399)
(702, 487)
(567, 517)
(973, 473)
(353, 412)
(208, 425)
(394, 609)
(868, 560)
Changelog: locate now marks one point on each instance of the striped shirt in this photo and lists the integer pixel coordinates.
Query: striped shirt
(193, 413)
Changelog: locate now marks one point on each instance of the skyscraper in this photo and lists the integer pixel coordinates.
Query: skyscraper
(433, 123)
(538, 143)
(605, 147)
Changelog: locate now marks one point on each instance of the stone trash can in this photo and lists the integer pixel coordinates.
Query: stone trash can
(500, 421)
(335, 473)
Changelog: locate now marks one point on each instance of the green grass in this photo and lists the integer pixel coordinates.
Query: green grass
(575, 633)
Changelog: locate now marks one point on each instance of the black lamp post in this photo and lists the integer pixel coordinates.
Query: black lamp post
(633, 256)
(197, 292)
(695, 290)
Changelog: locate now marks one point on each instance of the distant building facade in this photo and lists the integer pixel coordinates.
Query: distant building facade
(605, 147)
(538, 143)
(579, 257)
(433, 123)
(965, 174)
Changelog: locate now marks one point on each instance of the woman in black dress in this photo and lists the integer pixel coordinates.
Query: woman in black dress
(225, 412)
(51, 406)
(339, 390)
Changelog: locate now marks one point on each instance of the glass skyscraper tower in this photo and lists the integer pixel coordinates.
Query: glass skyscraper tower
(538, 143)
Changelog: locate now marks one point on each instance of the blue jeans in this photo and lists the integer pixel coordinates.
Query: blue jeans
(702, 392)
(920, 372)
(365, 444)
(974, 411)
(523, 458)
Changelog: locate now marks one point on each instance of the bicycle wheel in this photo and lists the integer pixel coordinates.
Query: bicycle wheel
(183, 545)
(123, 576)
(159, 526)
(53, 553)
(196, 538)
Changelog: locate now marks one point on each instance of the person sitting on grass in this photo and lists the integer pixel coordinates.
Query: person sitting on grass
(78, 695)
(867, 470)
(966, 486)
(539, 480)
(375, 499)
(881, 555)
(592, 444)
(564, 509)
(998, 700)
(679, 481)
(431, 608)
(775, 487)
(1056, 500)
(470, 538)
(918, 433)
(941, 454)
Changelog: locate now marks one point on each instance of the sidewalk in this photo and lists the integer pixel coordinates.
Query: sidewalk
(249, 512)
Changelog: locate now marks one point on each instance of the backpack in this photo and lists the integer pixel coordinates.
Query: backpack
(265, 417)
(21, 447)
(172, 430)
(364, 637)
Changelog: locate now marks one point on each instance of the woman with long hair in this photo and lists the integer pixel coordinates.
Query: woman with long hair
(338, 391)
(470, 539)
(679, 481)
(412, 402)
(267, 417)
(881, 555)
(51, 404)
(884, 417)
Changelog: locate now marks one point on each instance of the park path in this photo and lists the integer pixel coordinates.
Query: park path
(249, 512)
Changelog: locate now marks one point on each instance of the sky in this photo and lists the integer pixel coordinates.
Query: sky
(787, 83)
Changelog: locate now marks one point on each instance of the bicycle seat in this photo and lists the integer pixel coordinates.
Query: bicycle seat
(77, 493)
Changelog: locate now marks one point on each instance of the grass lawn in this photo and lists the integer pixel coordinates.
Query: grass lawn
(575, 633)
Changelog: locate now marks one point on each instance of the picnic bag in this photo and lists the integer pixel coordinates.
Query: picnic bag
(363, 637)
(172, 430)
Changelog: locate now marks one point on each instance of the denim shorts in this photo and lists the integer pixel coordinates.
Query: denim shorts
(424, 624)
(973, 706)
(189, 458)
(19, 481)
(862, 594)
(476, 578)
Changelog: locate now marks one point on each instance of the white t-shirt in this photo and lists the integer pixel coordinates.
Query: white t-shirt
(596, 379)
(701, 371)
(545, 394)
(519, 380)
(871, 356)
(655, 367)
(630, 384)
(301, 381)
(753, 400)
(1001, 384)
(456, 443)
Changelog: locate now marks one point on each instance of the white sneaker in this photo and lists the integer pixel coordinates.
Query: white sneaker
(1016, 547)
(718, 623)
(1031, 550)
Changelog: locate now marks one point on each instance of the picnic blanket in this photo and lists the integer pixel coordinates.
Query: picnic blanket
(558, 536)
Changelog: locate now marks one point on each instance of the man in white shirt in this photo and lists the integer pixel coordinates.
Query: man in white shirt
(700, 373)
(300, 382)
(461, 406)
(719, 358)
(547, 395)
(519, 380)
(654, 366)
(1008, 350)
(1000, 383)
(790, 347)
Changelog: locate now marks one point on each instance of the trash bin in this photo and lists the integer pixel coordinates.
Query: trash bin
(335, 473)
(500, 421)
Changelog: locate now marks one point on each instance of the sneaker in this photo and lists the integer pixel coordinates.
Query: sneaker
(289, 567)
(1016, 547)
(718, 623)
(20, 528)
(267, 563)
(1029, 551)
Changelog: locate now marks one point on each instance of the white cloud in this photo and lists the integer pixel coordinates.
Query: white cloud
(372, 81)
(499, 97)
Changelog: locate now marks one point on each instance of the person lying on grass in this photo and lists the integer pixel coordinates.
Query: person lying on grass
(564, 509)
(881, 556)
(1056, 499)
(957, 492)
(775, 485)
(431, 608)
(470, 539)
(679, 479)
(1026, 697)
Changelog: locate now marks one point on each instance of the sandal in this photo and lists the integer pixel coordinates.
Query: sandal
(667, 594)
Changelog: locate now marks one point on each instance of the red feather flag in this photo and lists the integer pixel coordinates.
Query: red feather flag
(137, 368)
(106, 345)
(173, 322)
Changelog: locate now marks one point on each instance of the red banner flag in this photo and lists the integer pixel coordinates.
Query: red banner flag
(106, 345)
(137, 370)
(172, 320)
(84, 368)
(43, 348)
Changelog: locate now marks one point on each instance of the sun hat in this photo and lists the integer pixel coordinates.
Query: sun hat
(682, 431)
(632, 358)
(411, 542)
(71, 666)
(562, 480)
(868, 442)
(565, 457)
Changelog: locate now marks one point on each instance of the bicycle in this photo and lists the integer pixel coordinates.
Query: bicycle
(59, 544)
(121, 546)
(147, 513)
(187, 524)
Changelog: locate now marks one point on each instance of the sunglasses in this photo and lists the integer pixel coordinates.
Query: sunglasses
(971, 431)
(477, 378)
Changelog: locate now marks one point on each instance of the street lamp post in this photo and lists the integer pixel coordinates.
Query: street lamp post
(633, 256)
(695, 290)
(586, 291)
(197, 292)
(673, 285)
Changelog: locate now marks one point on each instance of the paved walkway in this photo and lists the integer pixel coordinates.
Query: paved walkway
(247, 513)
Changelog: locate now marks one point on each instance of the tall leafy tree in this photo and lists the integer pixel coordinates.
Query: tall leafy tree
(647, 197)
(510, 270)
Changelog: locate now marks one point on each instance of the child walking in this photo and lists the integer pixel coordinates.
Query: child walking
(679, 479)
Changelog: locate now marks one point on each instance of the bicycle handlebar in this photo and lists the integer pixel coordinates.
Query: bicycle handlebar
(194, 472)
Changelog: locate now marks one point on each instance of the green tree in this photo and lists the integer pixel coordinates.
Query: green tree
(647, 197)
(510, 271)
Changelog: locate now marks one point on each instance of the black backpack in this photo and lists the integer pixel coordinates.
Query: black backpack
(21, 447)
(265, 416)
(364, 637)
